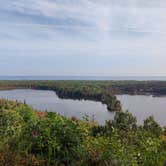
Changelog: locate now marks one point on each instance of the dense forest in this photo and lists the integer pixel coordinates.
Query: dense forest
(32, 138)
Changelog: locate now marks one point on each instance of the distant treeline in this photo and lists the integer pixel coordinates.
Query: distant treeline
(139, 87)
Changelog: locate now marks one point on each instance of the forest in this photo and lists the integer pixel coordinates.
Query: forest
(32, 138)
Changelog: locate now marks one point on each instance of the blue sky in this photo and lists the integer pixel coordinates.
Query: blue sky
(83, 37)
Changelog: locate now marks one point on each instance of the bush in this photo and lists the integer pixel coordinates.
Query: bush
(11, 125)
(124, 121)
(152, 126)
(28, 137)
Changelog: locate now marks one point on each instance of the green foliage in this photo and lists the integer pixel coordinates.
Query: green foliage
(27, 113)
(28, 137)
(125, 121)
(11, 125)
(152, 126)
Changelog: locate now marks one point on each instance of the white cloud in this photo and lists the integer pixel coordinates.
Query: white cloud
(104, 15)
(94, 28)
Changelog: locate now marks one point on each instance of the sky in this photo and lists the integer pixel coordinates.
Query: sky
(83, 37)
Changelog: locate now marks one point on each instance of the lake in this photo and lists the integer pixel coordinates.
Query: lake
(48, 100)
(143, 106)
(139, 105)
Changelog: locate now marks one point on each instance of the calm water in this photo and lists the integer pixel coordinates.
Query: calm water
(139, 105)
(145, 106)
(48, 100)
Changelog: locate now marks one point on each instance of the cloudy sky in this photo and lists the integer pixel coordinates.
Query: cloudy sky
(83, 37)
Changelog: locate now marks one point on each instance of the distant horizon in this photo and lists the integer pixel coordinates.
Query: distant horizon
(109, 78)
(82, 75)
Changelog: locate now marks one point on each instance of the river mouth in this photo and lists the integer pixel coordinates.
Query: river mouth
(46, 100)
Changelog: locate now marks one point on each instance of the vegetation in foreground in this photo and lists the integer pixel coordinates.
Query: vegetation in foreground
(32, 138)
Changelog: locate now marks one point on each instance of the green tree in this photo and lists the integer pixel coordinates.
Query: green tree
(124, 121)
(152, 126)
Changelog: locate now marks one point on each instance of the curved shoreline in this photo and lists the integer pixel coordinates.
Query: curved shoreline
(103, 91)
(68, 91)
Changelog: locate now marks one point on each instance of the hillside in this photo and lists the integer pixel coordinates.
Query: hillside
(29, 137)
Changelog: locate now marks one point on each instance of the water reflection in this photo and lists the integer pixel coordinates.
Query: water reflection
(48, 100)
